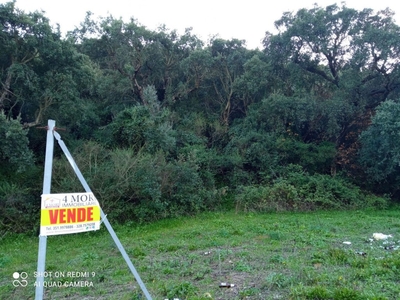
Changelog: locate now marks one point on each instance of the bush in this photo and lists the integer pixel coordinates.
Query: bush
(14, 150)
(20, 199)
(314, 158)
(19, 210)
(297, 190)
(138, 186)
(141, 127)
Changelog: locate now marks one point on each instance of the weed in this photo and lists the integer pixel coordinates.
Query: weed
(277, 259)
(346, 294)
(318, 258)
(89, 257)
(182, 290)
(277, 281)
(137, 253)
(242, 266)
(248, 292)
(338, 256)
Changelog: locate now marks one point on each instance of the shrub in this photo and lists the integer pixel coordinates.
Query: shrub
(17, 208)
(20, 199)
(144, 127)
(140, 186)
(295, 189)
(14, 150)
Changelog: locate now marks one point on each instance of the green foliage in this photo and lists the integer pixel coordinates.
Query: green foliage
(11, 197)
(319, 39)
(276, 281)
(318, 292)
(14, 148)
(229, 57)
(163, 125)
(41, 74)
(143, 127)
(338, 256)
(20, 184)
(301, 115)
(347, 294)
(314, 158)
(18, 208)
(380, 152)
(333, 53)
(280, 131)
(255, 82)
(183, 290)
(297, 190)
(139, 186)
(256, 150)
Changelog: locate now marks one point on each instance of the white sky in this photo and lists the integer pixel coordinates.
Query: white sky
(248, 20)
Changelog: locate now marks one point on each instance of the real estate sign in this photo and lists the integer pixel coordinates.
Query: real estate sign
(69, 213)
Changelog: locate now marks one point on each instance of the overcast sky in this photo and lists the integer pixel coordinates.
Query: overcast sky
(248, 20)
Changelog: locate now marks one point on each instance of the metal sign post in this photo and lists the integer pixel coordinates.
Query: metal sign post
(48, 165)
(51, 133)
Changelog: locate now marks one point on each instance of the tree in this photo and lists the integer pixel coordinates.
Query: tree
(330, 41)
(38, 70)
(132, 57)
(255, 83)
(195, 69)
(229, 57)
(167, 52)
(380, 151)
(355, 53)
(14, 150)
(144, 127)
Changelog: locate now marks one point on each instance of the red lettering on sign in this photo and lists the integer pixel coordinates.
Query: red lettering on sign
(71, 216)
(53, 216)
(90, 214)
(62, 216)
(81, 215)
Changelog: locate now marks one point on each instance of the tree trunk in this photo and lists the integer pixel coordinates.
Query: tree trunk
(6, 90)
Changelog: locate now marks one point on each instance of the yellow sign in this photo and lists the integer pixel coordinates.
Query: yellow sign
(69, 213)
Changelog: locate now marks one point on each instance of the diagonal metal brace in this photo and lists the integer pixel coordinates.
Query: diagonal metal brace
(103, 216)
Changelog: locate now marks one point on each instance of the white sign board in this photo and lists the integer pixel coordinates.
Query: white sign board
(69, 213)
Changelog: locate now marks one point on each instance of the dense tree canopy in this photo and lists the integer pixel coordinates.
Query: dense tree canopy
(166, 124)
(353, 57)
(380, 153)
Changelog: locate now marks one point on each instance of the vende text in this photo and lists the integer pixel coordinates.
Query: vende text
(70, 215)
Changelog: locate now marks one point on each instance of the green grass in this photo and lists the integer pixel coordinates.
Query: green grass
(266, 256)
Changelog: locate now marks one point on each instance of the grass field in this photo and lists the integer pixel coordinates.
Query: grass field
(265, 256)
